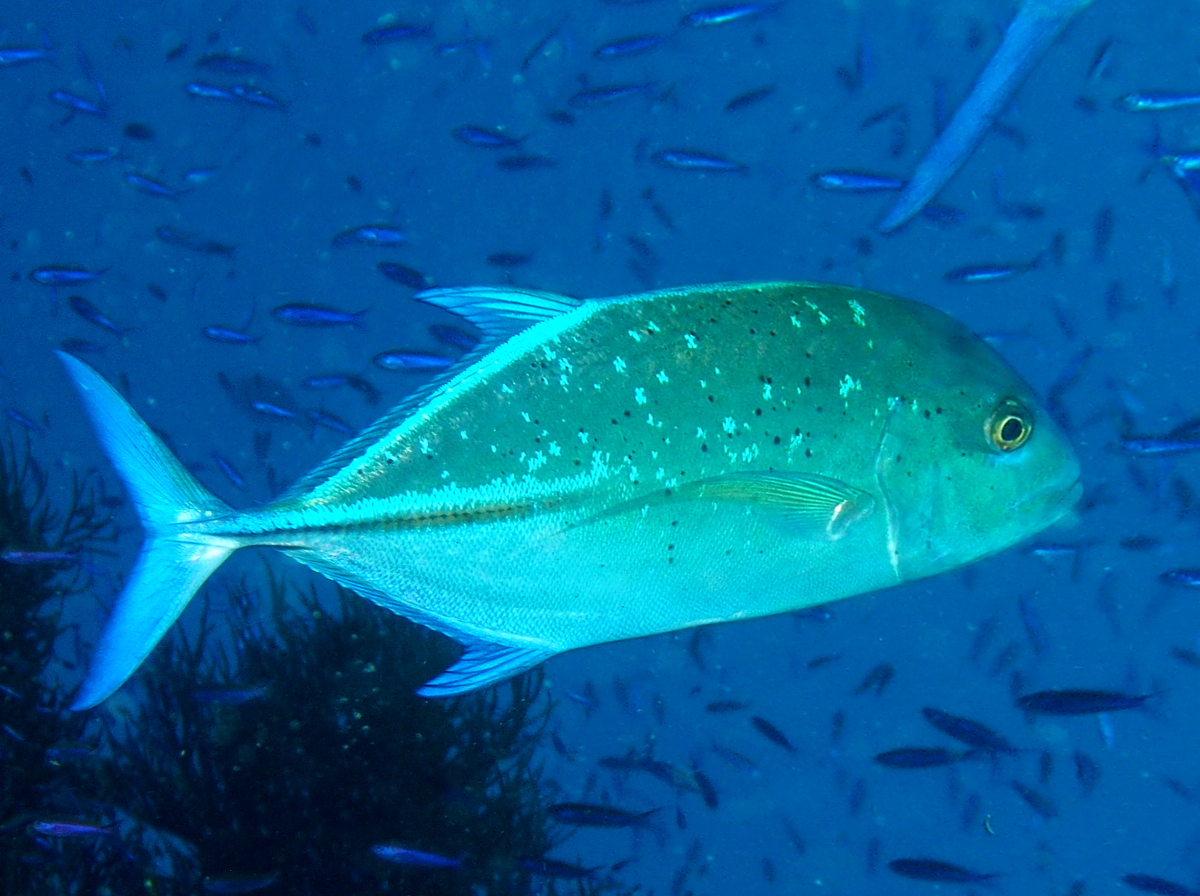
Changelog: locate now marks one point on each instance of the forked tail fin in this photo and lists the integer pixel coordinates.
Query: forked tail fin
(175, 559)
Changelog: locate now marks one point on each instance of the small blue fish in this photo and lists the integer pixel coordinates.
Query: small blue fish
(687, 160)
(749, 98)
(81, 347)
(1079, 702)
(69, 750)
(231, 472)
(974, 734)
(590, 97)
(771, 733)
(338, 380)
(63, 275)
(529, 162)
(1188, 577)
(85, 66)
(391, 34)
(200, 175)
(225, 64)
(590, 815)
(855, 182)
(451, 335)
(329, 421)
(228, 336)
(255, 97)
(723, 15)
(485, 138)
(938, 871)
(268, 409)
(379, 235)
(553, 869)
(66, 829)
(403, 360)
(326, 381)
(10, 56)
(208, 91)
(76, 103)
(629, 46)
(1154, 446)
(229, 695)
(302, 314)
(173, 237)
(404, 275)
(919, 757)
(93, 156)
(1159, 886)
(94, 315)
(238, 884)
(988, 273)
(150, 186)
(1157, 101)
(404, 855)
(37, 558)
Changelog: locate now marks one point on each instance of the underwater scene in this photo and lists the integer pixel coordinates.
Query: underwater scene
(680, 447)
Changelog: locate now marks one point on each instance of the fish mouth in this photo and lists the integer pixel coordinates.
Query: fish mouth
(1054, 501)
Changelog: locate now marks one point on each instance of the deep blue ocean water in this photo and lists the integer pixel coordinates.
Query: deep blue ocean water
(365, 136)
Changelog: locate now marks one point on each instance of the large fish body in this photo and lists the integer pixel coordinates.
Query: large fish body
(607, 469)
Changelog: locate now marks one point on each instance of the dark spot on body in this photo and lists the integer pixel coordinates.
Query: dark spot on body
(777, 440)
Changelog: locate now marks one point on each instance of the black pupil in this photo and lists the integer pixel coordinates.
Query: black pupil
(1011, 429)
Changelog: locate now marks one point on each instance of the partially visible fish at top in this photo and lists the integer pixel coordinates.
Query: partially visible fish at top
(706, 453)
(1035, 26)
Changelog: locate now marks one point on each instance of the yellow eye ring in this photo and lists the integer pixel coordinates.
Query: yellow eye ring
(1009, 427)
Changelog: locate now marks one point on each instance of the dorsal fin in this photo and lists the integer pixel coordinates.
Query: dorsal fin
(499, 312)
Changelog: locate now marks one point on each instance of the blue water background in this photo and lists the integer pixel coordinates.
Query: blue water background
(384, 115)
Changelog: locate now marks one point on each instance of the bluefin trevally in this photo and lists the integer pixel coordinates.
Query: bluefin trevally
(613, 468)
(1031, 31)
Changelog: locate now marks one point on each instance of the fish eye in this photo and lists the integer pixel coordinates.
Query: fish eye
(1009, 426)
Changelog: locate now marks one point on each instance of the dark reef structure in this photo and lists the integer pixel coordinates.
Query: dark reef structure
(287, 756)
(280, 748)
(40, 742)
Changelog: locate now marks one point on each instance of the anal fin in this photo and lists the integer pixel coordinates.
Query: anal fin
(482, 664)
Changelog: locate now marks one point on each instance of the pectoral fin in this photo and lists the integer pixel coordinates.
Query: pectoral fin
(810, 505)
